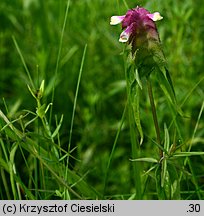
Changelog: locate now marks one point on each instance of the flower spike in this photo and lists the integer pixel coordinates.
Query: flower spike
(139, 28)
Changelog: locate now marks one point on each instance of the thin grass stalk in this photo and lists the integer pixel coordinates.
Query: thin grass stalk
(18, 191)
(195, 182)
(73, 115)
(3, 177)
(31, 180)
(36, 171)
(5, 184)
(126, 5)
(58, 56)
(23, 61)
(36, 177)
(154, 114)
(113, 150)
(12, 171)
(187, 160)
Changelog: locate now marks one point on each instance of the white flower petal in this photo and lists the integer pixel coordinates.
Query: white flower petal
(124, 36)
(155, 16)
(116, 20)
(123, 40)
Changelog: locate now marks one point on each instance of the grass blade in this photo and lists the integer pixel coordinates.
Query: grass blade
(23, 61)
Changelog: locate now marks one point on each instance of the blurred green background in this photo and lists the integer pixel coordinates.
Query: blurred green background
(37, 25)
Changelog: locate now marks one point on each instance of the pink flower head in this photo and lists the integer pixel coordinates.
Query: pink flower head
(139, 27)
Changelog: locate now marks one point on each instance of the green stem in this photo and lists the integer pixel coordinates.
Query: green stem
(135, 146)
(135, 154)
(154, 114)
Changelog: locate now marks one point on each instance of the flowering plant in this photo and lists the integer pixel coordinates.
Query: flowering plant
(146, 56)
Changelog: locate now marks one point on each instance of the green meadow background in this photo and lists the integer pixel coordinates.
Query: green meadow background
(65, 152)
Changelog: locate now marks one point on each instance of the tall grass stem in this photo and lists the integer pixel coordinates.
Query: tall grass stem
(113, 149)
(74, 109)
(154, 113)
(23, 61)
(59, 55)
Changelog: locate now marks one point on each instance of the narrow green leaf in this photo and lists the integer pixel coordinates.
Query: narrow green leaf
(52, 164)
(23, 61)
(174, 182)
(47, 108)
(187, 154)
(166, 85)
(166, 139)
(137, 77)
(132, 197)
(164, 173)
(160, 190)
(26, 191)
(58, 193)
(31, 91)
(150, 169)
(135, 101)
(12, 170)
(4, 164)
(150, 160)
(41, 90)
(58, 127)
(166, 183)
